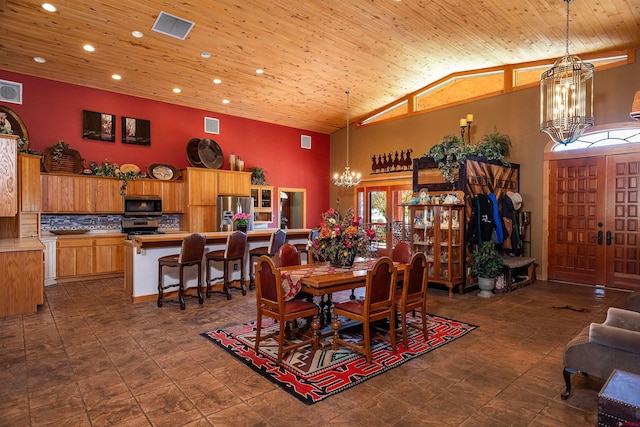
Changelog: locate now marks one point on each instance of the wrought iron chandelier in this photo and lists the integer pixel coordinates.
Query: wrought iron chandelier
(348, 178)
(566, 96)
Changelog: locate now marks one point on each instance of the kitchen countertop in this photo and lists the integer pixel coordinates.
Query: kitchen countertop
(20, 245)
(175, 239)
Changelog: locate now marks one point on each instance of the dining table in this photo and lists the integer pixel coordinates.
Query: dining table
(323, 280)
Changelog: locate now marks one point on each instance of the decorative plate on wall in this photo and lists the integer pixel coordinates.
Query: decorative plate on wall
(162, 172)
(210, 153)
(192, 153)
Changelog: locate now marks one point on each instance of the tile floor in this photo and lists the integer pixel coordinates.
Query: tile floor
(89, 357)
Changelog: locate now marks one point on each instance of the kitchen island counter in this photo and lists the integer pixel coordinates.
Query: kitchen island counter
(142, 254)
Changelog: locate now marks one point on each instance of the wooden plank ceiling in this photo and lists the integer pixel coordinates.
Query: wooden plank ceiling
(311, 50)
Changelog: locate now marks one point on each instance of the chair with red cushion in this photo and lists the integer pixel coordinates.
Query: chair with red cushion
(190, 255)
(277, 240)
(378, 304)
(414, 295)
(288, 255)
(271, 303)
(401, 253)
(233, 252)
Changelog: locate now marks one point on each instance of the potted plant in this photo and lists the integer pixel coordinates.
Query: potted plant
(486, 267)
(240, 221)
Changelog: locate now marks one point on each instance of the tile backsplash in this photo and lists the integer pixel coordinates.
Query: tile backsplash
(100, 223)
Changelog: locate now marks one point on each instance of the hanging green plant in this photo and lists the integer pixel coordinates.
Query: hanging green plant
(113, 169)
(451, 153)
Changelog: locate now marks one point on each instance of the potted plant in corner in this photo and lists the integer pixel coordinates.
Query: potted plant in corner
(486, 267)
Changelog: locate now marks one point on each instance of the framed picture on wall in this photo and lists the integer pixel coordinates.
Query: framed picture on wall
(136, 131)
(98, 126)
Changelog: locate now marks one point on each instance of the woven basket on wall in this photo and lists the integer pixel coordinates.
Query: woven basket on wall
(71, 161)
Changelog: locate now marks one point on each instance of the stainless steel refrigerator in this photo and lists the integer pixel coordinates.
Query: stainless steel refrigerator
(228, 206)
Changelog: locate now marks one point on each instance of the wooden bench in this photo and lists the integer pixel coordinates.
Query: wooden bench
(518, 271)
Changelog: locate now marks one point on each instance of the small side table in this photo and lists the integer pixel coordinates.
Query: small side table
(619, 400)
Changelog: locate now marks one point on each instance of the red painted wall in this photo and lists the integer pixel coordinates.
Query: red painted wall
(52, 111)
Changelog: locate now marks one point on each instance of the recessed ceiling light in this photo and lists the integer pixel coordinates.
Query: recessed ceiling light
(177, 90)
(205, 55)
(88, 48)
(39, 60)
(259, 71)
(116, 77)
(217, 81)
(137, 34)
(49, 7)
(225, 101)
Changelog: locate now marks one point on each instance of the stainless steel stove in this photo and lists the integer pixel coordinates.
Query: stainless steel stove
(137, 227)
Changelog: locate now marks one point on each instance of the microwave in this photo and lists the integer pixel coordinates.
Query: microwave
(142, 205)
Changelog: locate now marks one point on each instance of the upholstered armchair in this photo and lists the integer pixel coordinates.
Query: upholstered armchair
(601, 348)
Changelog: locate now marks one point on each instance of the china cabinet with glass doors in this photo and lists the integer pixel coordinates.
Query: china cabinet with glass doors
(437, 230)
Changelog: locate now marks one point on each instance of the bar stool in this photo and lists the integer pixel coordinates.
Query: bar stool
(190, 254)
(277, 240)
(306, 249)
(234, 251)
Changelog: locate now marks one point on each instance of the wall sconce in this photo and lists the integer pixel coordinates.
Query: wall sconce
(465, 124)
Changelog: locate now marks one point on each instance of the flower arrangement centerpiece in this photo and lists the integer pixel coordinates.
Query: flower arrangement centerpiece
(340, 240)
(240, 221)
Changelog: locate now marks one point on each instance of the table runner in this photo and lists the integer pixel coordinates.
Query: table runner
(292, 279)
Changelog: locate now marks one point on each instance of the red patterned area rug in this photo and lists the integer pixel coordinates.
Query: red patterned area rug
(312, 376)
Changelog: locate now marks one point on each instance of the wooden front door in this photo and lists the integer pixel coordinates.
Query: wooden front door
(593, 220)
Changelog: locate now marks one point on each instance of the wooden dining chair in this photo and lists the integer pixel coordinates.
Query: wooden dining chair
(378, 304)
(270, 302)
(401, 253)
(414, 295)
(288, 255)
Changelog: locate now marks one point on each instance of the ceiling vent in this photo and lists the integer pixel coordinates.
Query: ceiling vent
(172, 26)
(10, 92)
(305, 141)
(211, 125)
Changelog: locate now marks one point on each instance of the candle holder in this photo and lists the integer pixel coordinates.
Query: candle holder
(465, 125)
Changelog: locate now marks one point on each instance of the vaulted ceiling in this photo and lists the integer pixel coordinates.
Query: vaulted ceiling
(311, 50)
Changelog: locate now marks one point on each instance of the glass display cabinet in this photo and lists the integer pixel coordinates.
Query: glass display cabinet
(437, 230)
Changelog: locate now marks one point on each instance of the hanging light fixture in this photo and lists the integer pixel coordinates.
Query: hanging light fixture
(566, 97)
(347, 178)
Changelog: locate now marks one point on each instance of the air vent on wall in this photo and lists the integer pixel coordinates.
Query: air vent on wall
(172, 26)
(305, 141)
(10, 92)
(211, 125)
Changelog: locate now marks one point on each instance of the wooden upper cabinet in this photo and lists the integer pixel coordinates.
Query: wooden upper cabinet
(30, 193)
(202, 186)
(231, 183)
(172, 196)
(9, 175)
(107, 197)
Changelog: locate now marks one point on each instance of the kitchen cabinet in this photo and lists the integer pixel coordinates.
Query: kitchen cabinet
(80, 194)
(232, 183)
(21, 269)
(202, 187)
(108, 255)
(9, 175)
(107, 197)
(80, 257)
(171, 192)
(263, 203)
(438, 231)
(30, 194)
(74, 257)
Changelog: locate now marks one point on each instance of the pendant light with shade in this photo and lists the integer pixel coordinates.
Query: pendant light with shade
(348, 178)
(566, 96)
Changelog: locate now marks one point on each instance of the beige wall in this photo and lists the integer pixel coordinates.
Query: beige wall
(516, 114)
